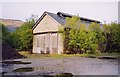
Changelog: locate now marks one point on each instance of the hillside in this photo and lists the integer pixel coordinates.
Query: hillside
(11, 24)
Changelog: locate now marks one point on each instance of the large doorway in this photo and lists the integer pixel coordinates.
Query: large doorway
(54, 43)
(47, 43)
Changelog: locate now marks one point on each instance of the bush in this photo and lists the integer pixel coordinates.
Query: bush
(82, 38)
(78, 38)
(22, 38)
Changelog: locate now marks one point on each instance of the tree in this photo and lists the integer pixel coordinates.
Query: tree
(77, 38)
(5, 33)
(112, 34)
(69, 34)
(115, 39)
(15, 40)
(99, 35)
(25, 35)
(22, 38)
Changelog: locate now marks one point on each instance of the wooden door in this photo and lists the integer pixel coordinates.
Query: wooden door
(47, 43)
(54, 43)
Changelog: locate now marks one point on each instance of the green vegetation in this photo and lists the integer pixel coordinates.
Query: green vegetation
(24, 69)
(64, 75)
(33, 56)
(79, 37)
(5, 33)
(22, 38)
(15, 62)
(112, 34)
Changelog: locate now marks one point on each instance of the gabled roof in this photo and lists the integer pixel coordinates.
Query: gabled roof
(57, 18)
(60, 17)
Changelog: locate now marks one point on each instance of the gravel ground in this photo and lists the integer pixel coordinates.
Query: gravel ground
(74, 65)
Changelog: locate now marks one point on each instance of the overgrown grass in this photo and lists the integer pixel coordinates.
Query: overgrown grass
(49, 55)
(110, 54)
(31, 56)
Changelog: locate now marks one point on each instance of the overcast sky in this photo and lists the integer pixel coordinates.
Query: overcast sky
(102, 11)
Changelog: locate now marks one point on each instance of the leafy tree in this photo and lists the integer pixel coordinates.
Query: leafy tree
(79, 39)
(5, 33)
(15, 40)
(115, 39)
(69, 34)
(23, 36)
(106, 29)
(112, 34)
(99, 35)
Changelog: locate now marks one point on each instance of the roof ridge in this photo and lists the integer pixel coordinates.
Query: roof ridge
(82, 18)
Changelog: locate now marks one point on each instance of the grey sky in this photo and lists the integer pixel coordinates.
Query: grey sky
(103, 11)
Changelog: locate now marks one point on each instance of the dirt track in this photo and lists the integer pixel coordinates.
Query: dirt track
(74, 65)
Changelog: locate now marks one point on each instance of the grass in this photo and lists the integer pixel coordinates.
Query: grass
(32, 56)
(64, 75)
(49, 56)
(24, 69)
(59, 75)
(110, 54)
(15, 62)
